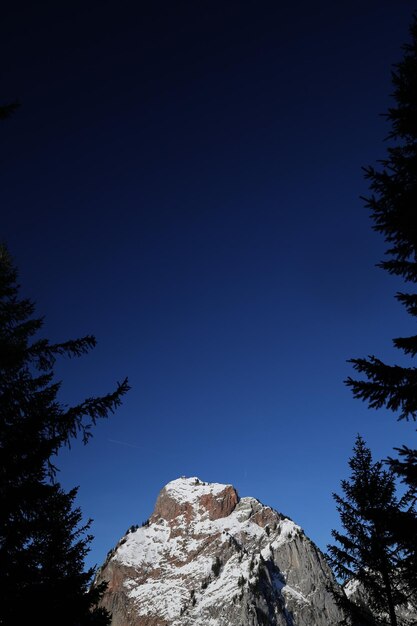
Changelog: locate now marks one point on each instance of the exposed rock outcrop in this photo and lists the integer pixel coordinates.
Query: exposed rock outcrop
(208, 558)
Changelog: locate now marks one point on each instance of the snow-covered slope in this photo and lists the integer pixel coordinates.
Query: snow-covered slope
(208, 558)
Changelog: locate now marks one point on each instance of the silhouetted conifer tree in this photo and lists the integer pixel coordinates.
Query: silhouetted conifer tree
(42, 541)
(393, 206)
(369, 551)
(6, 110)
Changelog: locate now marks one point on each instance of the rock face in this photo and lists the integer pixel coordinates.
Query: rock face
(208, 558)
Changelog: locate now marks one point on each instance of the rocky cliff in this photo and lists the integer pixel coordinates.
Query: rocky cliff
(208, 558)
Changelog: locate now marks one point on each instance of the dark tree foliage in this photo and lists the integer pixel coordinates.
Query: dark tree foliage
(369, 551)
(393, 206)
(42, 540)
(6, 110)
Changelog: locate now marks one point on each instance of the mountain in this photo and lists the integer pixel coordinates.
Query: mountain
(209, 558)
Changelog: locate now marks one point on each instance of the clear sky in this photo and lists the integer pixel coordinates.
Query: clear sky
(183, 181)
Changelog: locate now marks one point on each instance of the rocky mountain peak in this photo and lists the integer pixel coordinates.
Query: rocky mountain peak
(192, 498)
(209, 558)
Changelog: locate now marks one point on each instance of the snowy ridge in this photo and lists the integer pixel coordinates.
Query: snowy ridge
(207, 556)
(191, 489)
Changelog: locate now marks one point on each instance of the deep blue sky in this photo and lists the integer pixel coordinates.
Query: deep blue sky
(183, 180)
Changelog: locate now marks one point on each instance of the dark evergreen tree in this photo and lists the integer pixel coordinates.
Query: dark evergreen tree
(369, 551)
(6, 110)
(393, 206)
(42, 540)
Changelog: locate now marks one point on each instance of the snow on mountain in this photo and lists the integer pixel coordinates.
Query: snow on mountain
(209, 558)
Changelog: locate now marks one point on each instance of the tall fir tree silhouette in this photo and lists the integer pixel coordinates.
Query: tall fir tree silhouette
(43, 542)
(393, 206)
(368, 551)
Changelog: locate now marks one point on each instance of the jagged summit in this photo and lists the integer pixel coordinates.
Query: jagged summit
(209, 558)
(192, 489)
(192, 498)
